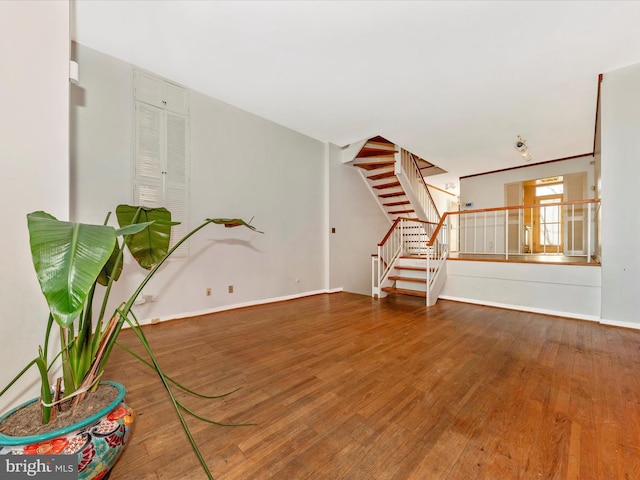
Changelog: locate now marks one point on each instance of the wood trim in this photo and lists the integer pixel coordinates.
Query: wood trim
(529, 262)
(518, 207)
(427, 222)
(440, 189)
(432, 240)
(590, 154)
(595, 129)
(386, 237)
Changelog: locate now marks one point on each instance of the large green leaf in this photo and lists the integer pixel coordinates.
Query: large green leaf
(113, 267)
(68, 258)
(150, 245)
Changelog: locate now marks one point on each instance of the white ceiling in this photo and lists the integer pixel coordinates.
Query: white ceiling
(454, 82)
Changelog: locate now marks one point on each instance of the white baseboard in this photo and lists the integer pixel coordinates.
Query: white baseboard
(616, 323)
(148, 321)
(521, 308)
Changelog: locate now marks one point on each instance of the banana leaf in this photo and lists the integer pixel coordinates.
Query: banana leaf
(67, 258)
(151, 245)
(113, 267)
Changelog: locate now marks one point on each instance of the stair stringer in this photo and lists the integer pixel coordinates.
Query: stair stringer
(437, 284)
(348, 153)
(377, 199)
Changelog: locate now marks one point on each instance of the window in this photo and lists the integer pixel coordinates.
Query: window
(547, 223)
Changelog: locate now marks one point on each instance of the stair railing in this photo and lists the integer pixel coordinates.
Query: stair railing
(389, 249)
(409, 166)
(406, 236)
(508, 231)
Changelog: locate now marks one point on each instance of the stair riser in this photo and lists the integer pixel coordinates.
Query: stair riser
(412, 262)
(418, 287)
(418, 274)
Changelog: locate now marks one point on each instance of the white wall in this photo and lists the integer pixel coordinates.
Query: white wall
(445, 202)
(620, 184)
(570, 291)
(566, 290)
(241, 166)
(359, 224)
(487, 191)
(101, 142)
(34, 132)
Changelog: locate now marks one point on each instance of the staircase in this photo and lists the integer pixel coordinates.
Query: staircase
(395, 177)
(411, 259)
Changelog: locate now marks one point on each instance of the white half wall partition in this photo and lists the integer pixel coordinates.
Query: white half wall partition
(565, 290)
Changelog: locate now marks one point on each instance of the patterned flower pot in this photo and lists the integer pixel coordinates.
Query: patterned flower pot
(97, 440)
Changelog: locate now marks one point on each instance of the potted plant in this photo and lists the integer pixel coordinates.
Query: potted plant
(70, 260)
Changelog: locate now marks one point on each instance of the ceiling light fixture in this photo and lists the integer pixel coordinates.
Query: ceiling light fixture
(521, 146)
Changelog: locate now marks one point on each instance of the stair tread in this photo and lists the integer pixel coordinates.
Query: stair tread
(391, 194)
(382, 186)
(396, 204)
(379, 176)
(404, 291)
(413, 269)
(399, 212)
(407, 279)
(378, 140)
(367, 152)
(374, 165)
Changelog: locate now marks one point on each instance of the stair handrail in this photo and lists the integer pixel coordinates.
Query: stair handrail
(571, 203)
(436, 232)
(412, 170)
(392, 245)
(388, 250)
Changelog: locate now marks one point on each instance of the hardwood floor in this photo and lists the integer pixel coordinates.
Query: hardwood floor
(344, 386)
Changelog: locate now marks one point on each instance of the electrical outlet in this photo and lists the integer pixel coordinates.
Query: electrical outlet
(230, 288)
(208, 292)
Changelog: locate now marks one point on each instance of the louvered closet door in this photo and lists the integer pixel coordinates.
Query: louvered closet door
(176, 177)
(161, 166)
(149, 155)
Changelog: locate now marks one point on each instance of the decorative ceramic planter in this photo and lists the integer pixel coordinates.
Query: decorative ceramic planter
(98, 440)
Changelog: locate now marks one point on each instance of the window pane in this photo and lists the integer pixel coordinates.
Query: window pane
(550, 214)
(544, 190)
(550, 234)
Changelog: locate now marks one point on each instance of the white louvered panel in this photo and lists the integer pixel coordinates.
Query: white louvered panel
(149, 194)
(148, 89)
(149, 134)
(176, 202)
(161, 157)
(176, 98)
(176, 149)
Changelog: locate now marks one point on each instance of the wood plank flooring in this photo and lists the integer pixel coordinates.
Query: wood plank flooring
(344, 386)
